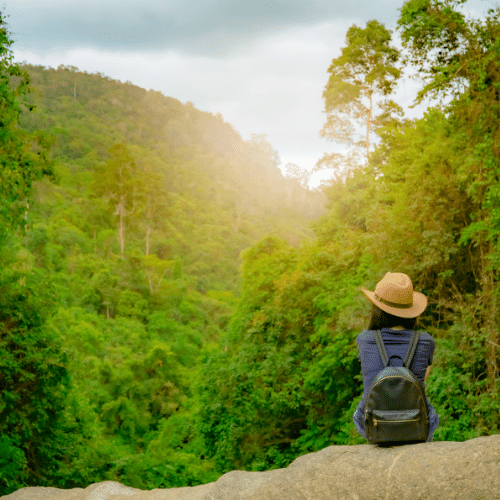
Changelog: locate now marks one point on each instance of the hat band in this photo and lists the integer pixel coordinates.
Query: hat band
(393, 304)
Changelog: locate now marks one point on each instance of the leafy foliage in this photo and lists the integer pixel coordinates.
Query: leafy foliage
(34, 383)
(367, 67)
(23, 155)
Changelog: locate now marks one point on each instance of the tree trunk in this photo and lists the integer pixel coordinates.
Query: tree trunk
(26, 225)
(148, 227)
(121, 209)
(237, 219)
(368, 121)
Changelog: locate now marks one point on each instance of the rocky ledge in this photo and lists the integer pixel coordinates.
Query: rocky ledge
(437, 470)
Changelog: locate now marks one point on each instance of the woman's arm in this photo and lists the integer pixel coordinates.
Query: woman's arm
(428, 371)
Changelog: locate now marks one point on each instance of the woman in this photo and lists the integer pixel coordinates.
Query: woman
(395, 308)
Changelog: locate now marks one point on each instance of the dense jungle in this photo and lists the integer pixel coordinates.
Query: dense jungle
(173, 307)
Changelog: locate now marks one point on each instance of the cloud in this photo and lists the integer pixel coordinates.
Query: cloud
(203, 27)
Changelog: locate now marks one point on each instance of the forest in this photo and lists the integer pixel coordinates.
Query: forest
(173, 307)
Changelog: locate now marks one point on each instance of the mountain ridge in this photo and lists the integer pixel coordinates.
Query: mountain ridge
(156, 122)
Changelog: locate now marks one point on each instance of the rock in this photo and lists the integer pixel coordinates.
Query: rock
(437, 470)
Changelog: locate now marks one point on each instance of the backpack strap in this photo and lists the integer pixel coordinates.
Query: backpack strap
(411, 349)
(409, 355)
(381, 348)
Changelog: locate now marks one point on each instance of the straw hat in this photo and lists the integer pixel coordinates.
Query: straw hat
(394, 294)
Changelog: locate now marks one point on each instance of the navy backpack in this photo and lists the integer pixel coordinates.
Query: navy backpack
(396, 410)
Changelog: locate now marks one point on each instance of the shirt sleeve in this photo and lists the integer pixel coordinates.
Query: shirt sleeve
(431, 353)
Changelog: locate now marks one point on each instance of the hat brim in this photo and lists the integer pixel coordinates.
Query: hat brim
(419, 305)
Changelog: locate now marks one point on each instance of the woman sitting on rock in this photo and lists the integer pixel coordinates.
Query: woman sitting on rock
(395, 308)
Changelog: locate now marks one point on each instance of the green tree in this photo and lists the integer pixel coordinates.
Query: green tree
(155, 270)
(366, 69)
(152, 185)
(458, 56)
(419, 185)
(118, 181)
(34, 382)
(286, 378)
(105, 283)
(24, 157)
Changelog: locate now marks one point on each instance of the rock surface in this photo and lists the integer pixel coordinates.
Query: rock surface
(437, 470)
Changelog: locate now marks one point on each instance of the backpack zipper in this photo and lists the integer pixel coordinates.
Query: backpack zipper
(375, 421)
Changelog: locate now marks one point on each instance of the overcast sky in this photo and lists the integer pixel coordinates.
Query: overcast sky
(262, 64)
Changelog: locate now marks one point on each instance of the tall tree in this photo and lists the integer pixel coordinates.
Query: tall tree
(117, 180)
(34, 380)
(155, 270)
(293, 171)
(24, 156)
(459, 57)
(366, 69)
(153, 189)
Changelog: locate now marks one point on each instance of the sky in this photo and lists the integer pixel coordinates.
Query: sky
(262, 64)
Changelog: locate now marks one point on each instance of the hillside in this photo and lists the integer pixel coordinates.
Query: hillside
(220, 193)
(88, 113)
(133, 251)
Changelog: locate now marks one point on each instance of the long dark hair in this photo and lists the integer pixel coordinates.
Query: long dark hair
(381, 319)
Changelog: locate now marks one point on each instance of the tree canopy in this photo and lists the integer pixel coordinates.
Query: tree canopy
(367, 68)
(23, 156)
